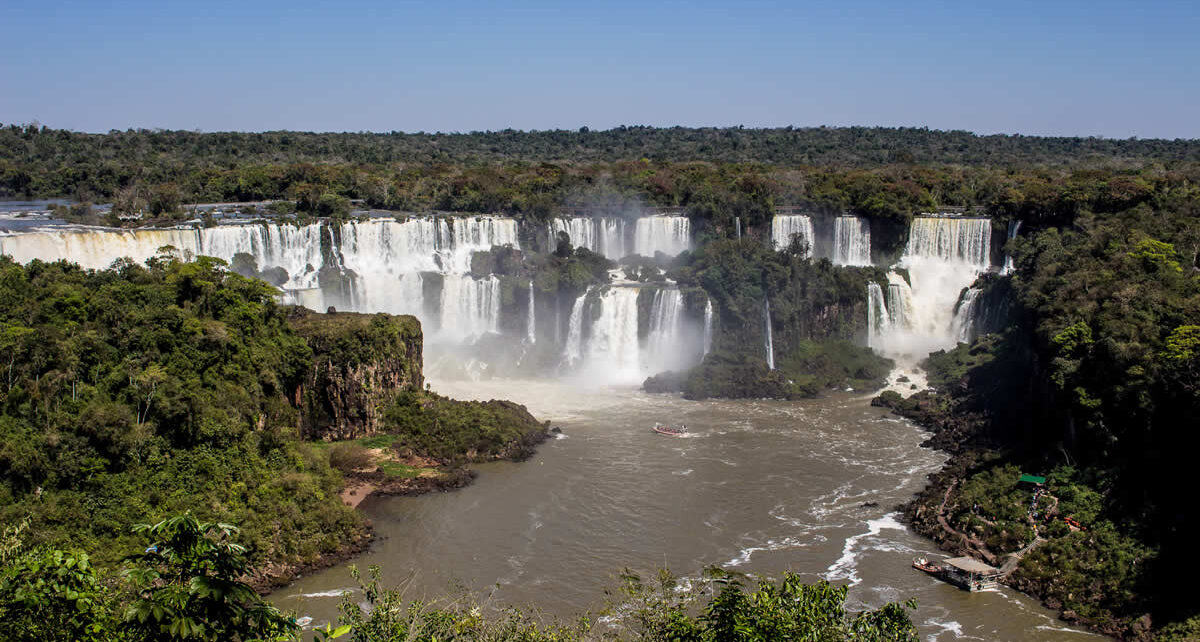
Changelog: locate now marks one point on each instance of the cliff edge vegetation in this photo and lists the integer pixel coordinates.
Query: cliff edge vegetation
(143, 391)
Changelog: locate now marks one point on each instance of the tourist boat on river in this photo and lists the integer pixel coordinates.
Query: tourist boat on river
(967, 573)
(669, 431)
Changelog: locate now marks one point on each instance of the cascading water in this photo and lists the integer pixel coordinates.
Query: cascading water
(603, 235)
(666, 323)
(944, 255)
(879, 322)
(459, 238)
(783, 228)
(613, 347)
(612, 238)
(97, 249)
(708, 327)
(670, 235)
(769, 342)
(385, 256)
(470, 307)
(851, 241)
(1014, 228)
(963, 325)
(573, 351)
(581, 229)
(603, 342)
(531, 324)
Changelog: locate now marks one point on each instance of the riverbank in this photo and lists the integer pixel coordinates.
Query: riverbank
(388, 474)
(950, 512)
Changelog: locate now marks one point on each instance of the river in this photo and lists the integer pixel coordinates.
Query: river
(757, 486)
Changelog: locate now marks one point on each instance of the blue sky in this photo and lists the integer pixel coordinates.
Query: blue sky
(1102, 68)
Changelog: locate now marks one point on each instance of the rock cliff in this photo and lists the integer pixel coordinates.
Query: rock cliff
(360, 363)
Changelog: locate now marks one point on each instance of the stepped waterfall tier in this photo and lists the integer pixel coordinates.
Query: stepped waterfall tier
(851, 241)
(932, 310)
(604, 235)
(670, 235)
(783, 228)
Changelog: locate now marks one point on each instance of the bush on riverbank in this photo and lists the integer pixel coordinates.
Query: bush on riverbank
(430, 425)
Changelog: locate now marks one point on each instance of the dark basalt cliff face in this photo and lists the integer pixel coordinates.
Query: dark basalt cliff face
(360, 363)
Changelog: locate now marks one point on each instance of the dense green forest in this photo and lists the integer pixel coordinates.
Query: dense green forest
(1091, 380)
(138, 392)
(143, 391)
(716, 174)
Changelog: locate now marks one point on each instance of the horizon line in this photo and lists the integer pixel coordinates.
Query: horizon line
(586, 129)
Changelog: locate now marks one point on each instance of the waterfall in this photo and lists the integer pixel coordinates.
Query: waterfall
(612, 238)
(531, 324)
(879, 322)
(460, 237)
(708, 327)
(573, 351)
(603, 235)
(770, 343)
(901, 311)
(581, 229)
(963, 325)
(666, 322)
(783, 228)
(851, 241)
(944, 255)
(613, 348)
(670, 235)
(1014, 228)
(960, 240)
(96, 249)
(469, 307)
(603, 342)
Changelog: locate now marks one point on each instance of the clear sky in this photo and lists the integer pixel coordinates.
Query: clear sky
(1088, 67)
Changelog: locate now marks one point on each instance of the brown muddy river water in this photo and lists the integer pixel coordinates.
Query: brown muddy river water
(758, 486)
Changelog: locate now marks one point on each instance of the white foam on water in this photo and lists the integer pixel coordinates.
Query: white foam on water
(772, 545)
(329, 593)
(846, 566)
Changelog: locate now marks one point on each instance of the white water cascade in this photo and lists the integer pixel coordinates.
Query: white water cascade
(783, 228)
(963, 325)
(708, 327)
(769, 343)
(531, 323)
(664, 343)
(603, 235)
(1014, 228)
(944, 255)
(851, 241)
(386, 256)
(573, 351)
(602, 337)
(469, 307)
(613, 348)
(879, 322)
(670, 235)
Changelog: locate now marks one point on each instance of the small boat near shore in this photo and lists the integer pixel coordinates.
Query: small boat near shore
(669, 431)
(966, 573)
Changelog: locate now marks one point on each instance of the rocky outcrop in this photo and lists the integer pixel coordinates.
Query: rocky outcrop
(360, 363)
